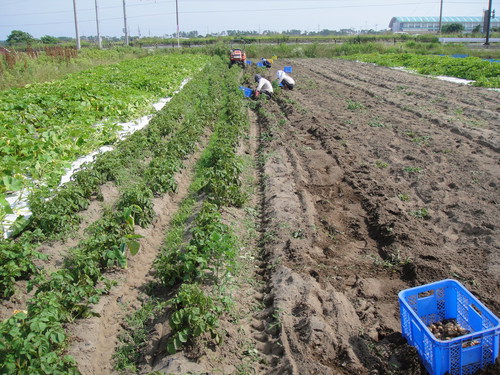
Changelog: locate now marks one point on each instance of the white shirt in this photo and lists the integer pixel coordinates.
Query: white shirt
(265, 85)
(283, 76)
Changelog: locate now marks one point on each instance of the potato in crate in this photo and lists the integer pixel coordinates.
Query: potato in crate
(453, 332)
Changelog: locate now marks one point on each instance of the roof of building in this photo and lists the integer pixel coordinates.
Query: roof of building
(435, 19)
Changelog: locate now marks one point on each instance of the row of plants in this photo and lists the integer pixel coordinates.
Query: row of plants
(484, 73)
(208, 257)
(47, 126)
(198, 256)
(34, 342)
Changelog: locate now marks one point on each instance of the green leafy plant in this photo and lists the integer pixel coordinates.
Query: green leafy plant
(421, 213)
(404, 197)
(354, 106)
(376, 124)
(412, 170)
(195, 313)
(381, 164)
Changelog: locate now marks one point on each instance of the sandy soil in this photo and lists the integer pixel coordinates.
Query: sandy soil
(366, 181)
(338, 201)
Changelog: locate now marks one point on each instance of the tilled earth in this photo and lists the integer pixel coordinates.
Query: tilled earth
(375, 180)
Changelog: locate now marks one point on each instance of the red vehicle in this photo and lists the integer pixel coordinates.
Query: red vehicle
(237, 56)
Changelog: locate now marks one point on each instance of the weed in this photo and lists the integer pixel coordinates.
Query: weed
(421, 213)
(423, 140)
(412, 170)
(392, 260)
(376, 124)
(404, 197)
(381, 164)
(354, 106)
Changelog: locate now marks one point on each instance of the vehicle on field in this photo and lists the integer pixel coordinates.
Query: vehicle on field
(237, 54)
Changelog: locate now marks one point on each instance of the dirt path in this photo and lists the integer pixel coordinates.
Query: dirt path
(376, 181)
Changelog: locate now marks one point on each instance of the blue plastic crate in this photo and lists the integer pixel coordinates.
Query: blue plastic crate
(287, 69)
(249, 62)
(246, 91)
(448, 299)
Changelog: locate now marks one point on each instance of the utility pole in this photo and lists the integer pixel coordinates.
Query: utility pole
(125, 29)
(78, 46)
(99, 42)
(177, 17)
(440, 17)
(488, 23)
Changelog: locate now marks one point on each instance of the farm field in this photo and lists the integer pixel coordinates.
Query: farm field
(327, 201)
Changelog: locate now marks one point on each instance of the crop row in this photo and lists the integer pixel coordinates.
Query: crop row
(483, 72)
(199, 251)
(33, 342)
(46, 126)
(209, 255)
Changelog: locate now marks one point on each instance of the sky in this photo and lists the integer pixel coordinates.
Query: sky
(158, 17)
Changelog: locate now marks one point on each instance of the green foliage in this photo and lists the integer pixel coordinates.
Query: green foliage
(412, 170)
(33, 345)
(138, 325)
(404, 197)
(47, 39)
(69, 292)
(45, 126)
(485, 73)
(452, 28)
(354, 106)
(195, 313)
(421, 213)
(16, 260)
(19, 37)
(139, 200)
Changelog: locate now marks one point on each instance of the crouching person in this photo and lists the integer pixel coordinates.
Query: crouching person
(284, 79)
(263, 86)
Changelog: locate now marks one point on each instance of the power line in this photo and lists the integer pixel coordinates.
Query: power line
(245, 1)
(230, 11)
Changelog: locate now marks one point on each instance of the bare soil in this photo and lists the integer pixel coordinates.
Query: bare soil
(353, 156)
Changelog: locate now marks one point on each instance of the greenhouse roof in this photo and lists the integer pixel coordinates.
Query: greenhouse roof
(436, 19)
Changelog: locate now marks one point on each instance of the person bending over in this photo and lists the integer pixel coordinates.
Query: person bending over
(287, 81)
(263, 86)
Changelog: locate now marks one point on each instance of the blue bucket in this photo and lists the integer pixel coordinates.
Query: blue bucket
(260, 64)
(424, 305)
(246, 91)
(287, 69)
(249, 62)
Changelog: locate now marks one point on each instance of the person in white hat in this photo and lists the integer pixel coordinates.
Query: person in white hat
(287, 81)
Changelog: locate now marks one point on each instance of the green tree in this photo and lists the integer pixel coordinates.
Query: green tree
(18, 37)
(47, 39)
(476, 29)
(452, 28)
